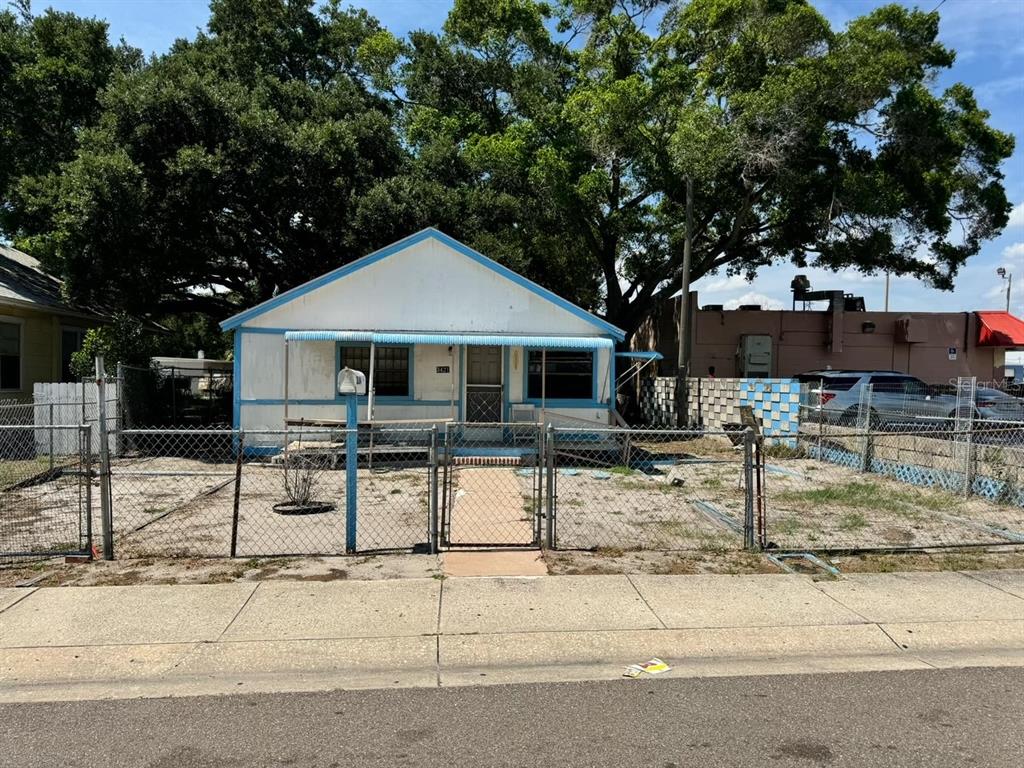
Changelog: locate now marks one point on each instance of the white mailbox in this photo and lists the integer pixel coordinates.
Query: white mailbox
(351, 382)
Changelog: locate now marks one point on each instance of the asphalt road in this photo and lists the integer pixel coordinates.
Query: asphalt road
(931, 718)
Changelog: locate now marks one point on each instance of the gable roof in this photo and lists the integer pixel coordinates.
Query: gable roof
(23, 282)
(424, 234)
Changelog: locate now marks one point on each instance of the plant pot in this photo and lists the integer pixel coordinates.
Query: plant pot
(309, 508)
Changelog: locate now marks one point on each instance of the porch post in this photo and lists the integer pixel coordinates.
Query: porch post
(286, 382)
(369, 390)
(543, 385)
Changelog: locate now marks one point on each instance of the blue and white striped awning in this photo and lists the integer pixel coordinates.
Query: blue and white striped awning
(454, 339)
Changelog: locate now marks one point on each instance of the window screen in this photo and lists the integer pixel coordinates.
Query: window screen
(569, 375)
(390, 368)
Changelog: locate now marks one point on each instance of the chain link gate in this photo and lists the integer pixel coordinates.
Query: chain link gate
(492, 485)
(45, 490)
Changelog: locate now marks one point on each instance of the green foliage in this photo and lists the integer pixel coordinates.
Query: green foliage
(291, 137)
(125, 340)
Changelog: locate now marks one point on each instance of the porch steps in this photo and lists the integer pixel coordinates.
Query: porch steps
(487, 461)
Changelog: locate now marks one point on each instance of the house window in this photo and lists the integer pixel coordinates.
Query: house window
(71, 340)
(10, 356)
(569, 375)
(390, 368)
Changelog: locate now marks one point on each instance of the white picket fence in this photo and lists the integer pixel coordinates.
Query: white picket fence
(67, 403)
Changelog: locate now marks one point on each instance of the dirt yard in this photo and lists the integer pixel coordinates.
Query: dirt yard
(815, 505)
(696, 505)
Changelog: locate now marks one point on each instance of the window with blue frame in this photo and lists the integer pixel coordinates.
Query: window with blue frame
(390, 368)
(567, 375)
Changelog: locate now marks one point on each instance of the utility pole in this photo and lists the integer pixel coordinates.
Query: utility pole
(684, 330)
(887, 291)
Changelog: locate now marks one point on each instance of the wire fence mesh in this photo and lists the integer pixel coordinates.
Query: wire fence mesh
(647, 489)
(45, 490)
(492, 484)
(272, 492)
(868, 481)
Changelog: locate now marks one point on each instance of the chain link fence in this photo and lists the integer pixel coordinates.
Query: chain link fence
(647, 489)
(849, 483)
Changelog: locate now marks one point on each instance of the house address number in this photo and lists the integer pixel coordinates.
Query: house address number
(444, 369)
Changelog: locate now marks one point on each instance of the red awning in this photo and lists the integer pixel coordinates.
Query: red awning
(1000, 329)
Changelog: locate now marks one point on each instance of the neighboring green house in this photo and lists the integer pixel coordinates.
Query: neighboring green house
(39, 328)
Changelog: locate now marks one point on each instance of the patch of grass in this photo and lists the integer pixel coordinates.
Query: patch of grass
(780, 451)
(621, 470)
(852, 521)
(788, 526)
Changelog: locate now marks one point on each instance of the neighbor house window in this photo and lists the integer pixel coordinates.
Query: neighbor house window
(10, 356)
(390, 368)
(569, 375)
(71, 340)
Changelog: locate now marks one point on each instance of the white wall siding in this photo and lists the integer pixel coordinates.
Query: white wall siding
(428, 286)
(262, 371)
(429, 384)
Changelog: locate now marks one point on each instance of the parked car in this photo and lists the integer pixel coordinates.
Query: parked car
(899, 398)
(895, 397)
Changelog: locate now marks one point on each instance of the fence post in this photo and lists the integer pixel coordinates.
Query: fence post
(85, 443)
(865, 424)
(106, 512)
(969, 467)
(748, 488)
(238, 492)
(51, 435)
(432, 523)
(119, 418)
(549, 488)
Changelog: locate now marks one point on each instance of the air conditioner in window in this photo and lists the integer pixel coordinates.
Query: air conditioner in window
(523, 414)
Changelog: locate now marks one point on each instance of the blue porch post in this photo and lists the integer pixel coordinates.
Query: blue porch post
(351, 462)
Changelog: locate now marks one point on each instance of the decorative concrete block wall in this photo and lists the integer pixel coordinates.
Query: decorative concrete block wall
(716, 403)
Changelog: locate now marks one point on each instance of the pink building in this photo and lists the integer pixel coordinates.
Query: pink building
(934, 346)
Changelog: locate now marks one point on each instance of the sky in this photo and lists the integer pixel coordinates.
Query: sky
(987, 35)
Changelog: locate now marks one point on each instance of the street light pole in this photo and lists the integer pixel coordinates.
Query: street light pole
(1008, 277)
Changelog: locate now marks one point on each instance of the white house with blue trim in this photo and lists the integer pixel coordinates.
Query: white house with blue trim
(441, 332)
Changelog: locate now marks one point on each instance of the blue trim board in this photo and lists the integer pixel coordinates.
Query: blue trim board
(462, 378)
(429, 233)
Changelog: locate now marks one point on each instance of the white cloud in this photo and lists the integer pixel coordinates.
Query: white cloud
(1014, 252)
(1016, 216)
(752, 297)
(730, 283)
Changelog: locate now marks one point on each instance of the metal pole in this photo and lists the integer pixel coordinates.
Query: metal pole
(85, 435)
(51, 437)
(106, 513)
(886, 291)
(238, 493)
(351, 459)
(1009, 284)
(683, 351)
(748, 488)
(119, 418)
(549, 487)
(865, 451)
(432, 523)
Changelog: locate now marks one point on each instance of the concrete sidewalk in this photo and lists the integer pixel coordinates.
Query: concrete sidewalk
(119, 642)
